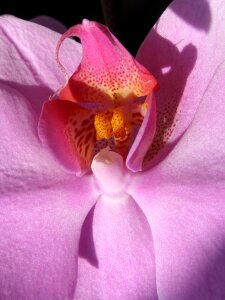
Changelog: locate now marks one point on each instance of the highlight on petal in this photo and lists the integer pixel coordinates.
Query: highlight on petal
(68, 130)
(185, 59)
(108, 74)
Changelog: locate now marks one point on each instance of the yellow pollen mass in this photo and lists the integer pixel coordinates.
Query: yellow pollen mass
(110, 124)
(118, 124)
(102, 123)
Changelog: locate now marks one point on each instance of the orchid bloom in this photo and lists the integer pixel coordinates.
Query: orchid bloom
(89, 224)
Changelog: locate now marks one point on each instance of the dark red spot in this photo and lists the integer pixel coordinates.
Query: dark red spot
(85, 122)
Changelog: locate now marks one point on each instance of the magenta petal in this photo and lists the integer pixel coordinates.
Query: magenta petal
(183, 58)
(117, 257)
(27, 59)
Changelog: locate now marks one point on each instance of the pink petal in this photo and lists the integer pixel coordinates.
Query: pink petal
(188, 228)
(144, 137)
(50, 23)
(183, 199)
(104, 74)
(68, 131)
(23, 159)
(39, 203)
(27, 59)
(40, 232)
(183, 58)
(200, 154)
(117, 257)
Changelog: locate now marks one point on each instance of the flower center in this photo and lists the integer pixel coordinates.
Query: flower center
(103, 126)
(113, 126)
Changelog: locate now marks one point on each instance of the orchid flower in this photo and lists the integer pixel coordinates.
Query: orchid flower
(142, 221)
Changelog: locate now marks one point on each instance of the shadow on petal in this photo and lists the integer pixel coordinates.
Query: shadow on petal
(187, 11)
(124, 246)
(35, 94)
(86, 246)
(213, 277)
(172, 70)
(206, 279)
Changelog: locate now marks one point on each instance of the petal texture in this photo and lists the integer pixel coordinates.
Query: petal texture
(42, 210)
(27, 58)
(183, 58)
(40, 232)
(200, 154)
(117, 256)
(187, 224)
(24, 162)
(183, 199)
